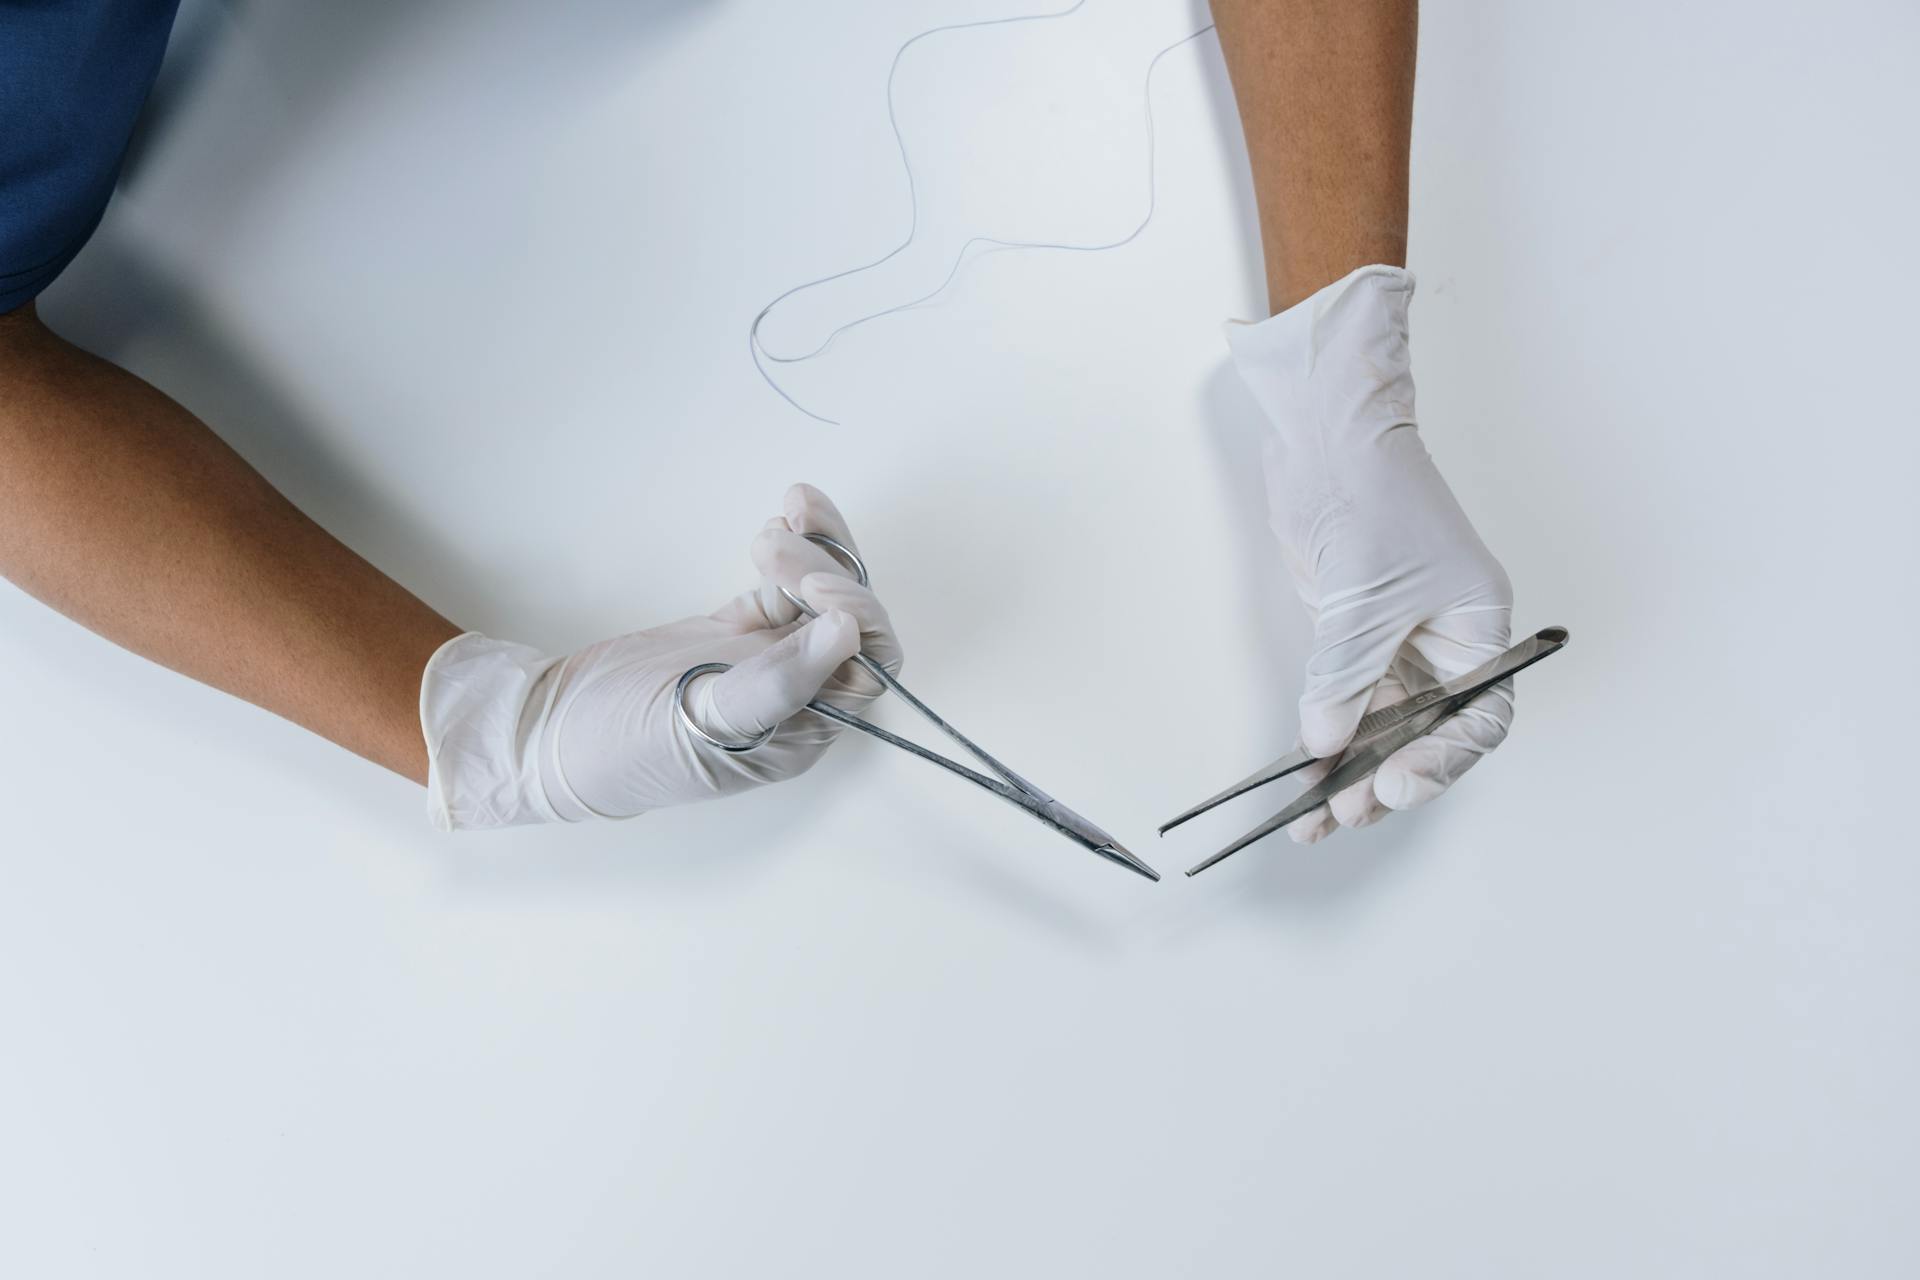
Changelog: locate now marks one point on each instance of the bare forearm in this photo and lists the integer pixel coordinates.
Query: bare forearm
(1325, 89)
(124, 512)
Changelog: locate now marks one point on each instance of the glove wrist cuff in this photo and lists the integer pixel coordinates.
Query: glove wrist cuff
(1336, 362)
(483, 710)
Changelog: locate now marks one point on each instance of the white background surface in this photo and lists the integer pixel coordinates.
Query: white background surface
(471, 283)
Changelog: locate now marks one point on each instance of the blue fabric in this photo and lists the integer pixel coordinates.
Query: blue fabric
(73, 77)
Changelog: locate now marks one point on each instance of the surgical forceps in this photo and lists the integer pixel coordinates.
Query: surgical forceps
(1009, 786)
(1379, 735)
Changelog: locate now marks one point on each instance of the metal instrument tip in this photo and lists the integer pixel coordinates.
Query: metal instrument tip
(1227, 852)
(1114, 853)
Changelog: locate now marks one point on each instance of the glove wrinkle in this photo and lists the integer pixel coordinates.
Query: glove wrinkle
(514, 736)
(1401, 589)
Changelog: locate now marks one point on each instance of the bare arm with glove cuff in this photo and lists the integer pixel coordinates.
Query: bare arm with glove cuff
(1402, 591)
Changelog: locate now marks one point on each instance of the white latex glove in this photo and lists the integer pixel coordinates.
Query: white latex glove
(1402, 592)
(515, 736)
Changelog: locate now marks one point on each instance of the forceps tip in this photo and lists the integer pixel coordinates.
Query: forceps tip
(1221, 856)
(1189, 815)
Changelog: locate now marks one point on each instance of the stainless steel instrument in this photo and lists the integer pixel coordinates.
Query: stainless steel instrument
(1379, 735)
(1007, 784)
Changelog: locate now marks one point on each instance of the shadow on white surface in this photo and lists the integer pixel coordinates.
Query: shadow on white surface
(158, 328)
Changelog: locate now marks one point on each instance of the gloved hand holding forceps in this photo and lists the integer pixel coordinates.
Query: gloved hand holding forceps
(1402, 593)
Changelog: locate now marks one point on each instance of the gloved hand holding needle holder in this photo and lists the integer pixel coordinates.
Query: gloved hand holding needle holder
(701, 708)
(518, 736)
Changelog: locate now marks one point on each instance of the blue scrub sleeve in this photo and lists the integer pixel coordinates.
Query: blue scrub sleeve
(73, 77)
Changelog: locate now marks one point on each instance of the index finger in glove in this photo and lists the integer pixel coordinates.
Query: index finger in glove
(1425, 767)
(1356, 806)
(1445, 647)
(814, 574)
(807, 510)
(763, 608)
(853, 686)
(757, 694)
(790, 561)
(1352, 654)
(787, 559)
